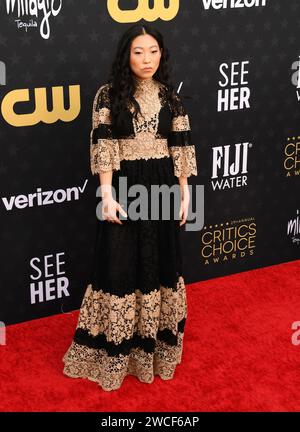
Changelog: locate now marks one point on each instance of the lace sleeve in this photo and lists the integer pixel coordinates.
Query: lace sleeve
(104, 148)
(180, 144)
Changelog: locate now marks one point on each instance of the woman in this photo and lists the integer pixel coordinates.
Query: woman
(133, 313)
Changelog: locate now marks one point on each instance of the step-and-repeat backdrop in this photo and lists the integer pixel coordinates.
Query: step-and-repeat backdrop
(236, 63)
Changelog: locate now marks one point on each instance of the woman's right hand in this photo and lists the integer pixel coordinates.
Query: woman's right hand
(109, 209)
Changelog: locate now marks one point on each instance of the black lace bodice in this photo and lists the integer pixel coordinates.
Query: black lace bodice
(162, 131)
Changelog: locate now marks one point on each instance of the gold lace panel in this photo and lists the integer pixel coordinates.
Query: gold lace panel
(144, 146)
(109, 372)
(104, 155)
(107, 154)
(119, 317)
(184, 160)
(181, 123)
(101, 117)
(147, 96)
(101, 105)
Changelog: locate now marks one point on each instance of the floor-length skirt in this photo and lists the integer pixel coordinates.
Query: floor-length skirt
(133, 313)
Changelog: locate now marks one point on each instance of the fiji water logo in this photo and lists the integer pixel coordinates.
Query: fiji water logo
(28, 9)
(230, 166)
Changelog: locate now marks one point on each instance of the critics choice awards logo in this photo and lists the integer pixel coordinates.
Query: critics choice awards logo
(228, 241)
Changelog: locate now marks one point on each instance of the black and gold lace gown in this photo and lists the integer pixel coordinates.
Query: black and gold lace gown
(134, 309)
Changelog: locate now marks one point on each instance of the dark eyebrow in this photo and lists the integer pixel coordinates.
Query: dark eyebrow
(152, 46)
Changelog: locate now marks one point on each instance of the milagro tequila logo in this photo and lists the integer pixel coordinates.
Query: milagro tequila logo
(34, 8)
(293, 228)
(227, 174)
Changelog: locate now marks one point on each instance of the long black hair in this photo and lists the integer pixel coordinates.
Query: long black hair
(121, 78)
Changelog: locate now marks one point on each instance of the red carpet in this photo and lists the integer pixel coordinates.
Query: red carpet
(238, 354)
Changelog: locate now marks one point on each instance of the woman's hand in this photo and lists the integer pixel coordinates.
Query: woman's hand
(109, 209)
(184, 205)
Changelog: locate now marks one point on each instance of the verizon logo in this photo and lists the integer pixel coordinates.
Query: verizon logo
(41, 198)
(225, 4)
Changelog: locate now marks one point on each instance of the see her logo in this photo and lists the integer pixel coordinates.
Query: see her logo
(2, 333)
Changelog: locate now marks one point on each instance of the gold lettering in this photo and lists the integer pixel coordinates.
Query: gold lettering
(41, 112)
(143, 11)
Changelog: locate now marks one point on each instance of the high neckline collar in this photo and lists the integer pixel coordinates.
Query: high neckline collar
(144, 83)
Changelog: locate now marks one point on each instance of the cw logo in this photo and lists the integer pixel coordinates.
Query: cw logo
(143, 11)
(41, 112)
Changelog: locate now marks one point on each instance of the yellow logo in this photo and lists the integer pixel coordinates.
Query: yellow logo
(41, 113)
(143, 11)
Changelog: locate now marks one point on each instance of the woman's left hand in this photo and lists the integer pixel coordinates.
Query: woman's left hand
(184, 205)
